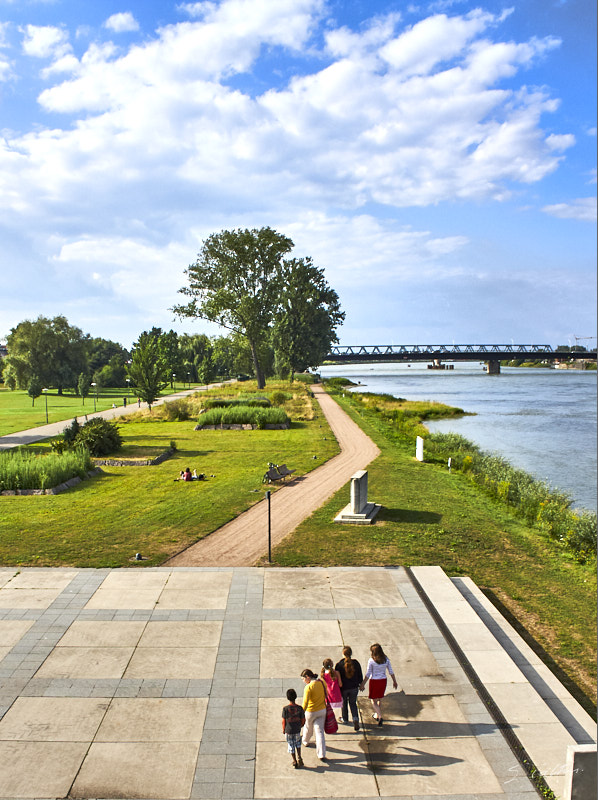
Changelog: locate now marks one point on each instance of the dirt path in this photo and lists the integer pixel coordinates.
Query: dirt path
(244, 540)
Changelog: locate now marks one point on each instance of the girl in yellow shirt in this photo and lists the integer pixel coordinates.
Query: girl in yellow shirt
(314, 705)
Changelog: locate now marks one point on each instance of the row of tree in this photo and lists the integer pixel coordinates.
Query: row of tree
(281, 313)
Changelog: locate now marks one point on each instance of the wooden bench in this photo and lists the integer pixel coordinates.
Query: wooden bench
(285, 471)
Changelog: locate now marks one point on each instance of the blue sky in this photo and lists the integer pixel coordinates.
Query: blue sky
(438, 159)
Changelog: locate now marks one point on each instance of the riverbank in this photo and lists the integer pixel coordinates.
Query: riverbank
(430, 516)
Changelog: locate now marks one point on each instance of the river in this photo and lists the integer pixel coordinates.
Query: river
(541, 420)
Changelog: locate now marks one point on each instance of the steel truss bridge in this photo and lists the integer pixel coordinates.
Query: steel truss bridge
(491, 354)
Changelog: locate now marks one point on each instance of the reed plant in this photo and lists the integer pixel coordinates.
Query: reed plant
(229, 402)
(538, 503)
(244, 415)
(23, 469)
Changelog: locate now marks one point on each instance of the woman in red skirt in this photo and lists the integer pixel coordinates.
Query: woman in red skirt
(376, 673)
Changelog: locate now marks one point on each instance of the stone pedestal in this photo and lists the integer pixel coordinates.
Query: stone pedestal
(359, 511)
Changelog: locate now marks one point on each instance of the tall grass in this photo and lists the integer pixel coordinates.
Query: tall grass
(22, 469)
(538, 503)
(228, 402)
(244, 415)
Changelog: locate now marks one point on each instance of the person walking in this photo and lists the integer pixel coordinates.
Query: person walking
(333, 682)
(378, 664)
(293, 719)
(351, 678)
(314, 705)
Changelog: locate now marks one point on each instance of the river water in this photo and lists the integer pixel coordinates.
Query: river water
(540, 420)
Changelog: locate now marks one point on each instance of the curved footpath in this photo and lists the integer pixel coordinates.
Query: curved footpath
(244, 540)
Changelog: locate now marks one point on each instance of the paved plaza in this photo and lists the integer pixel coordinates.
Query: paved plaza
(169, 683)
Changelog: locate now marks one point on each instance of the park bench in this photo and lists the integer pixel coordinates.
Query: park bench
(272, 475)
(285, 471)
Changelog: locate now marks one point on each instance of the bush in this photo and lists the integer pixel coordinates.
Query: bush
(306, 377)
(338, 383)
(24, 469)
(100, 437)
(279, 398)
(176, 410)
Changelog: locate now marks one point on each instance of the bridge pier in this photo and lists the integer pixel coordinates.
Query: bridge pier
(493, 367)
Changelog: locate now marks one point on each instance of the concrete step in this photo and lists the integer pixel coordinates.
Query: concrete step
(542, 716)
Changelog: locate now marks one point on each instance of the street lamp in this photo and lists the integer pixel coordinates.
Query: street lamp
(173, 377)
(95, 397)
(45, 391)
(128, 380)
(188, 379)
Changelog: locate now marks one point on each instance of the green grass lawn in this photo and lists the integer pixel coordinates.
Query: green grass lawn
(17, 413)
(431, 516)
(104, 521)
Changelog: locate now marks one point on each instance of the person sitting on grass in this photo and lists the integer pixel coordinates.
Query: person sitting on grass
(187, 476)
(293, 719)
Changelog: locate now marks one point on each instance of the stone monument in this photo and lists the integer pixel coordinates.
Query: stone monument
(419, 448)
(359, 511)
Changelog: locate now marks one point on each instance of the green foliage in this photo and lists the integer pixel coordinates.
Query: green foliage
(49, 349)
(34, 389)
(306, 316)
(179, 409)
(244, 415)
(338, 383)
(83, 385)
(279, 398)
(235, 283)
(100, 437)
(535, 501)
(227, 402)
(23, 469)
(149, 368)
(307, 377)
(69, 434)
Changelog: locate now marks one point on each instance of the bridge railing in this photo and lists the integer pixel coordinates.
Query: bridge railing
(439, 349)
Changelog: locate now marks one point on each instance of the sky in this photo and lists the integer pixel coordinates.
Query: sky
(436, 159)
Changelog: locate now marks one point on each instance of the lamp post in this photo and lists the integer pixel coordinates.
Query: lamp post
(128, 380)
(173, 382)
(269, 529)
(45, 391)
(95, 397)
(188, 380)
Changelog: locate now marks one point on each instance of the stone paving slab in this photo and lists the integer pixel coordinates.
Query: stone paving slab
(169, 683)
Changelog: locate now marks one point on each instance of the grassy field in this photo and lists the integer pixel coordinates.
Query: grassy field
(104, 521)
(431, 516)
(17, 413)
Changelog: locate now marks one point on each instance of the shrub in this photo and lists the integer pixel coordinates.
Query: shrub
(279, 398)
(100, 437)
(176, 410)
(24, 469)
(305, 377)
(338, 383)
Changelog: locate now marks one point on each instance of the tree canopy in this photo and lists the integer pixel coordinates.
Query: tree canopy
(242, 282)
(149, 369)
(49, 350)
(307, 316)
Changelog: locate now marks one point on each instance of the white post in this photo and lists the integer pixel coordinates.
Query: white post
(419, 448)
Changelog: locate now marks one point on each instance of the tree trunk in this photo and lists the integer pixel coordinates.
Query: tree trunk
(256, 366)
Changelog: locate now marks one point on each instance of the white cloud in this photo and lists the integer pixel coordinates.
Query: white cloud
(45, 41)
(122, 22)
(584, 208)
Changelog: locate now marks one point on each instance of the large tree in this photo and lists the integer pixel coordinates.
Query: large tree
(50, 350)
(307, 315)
(149, 369)
(235, 282)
